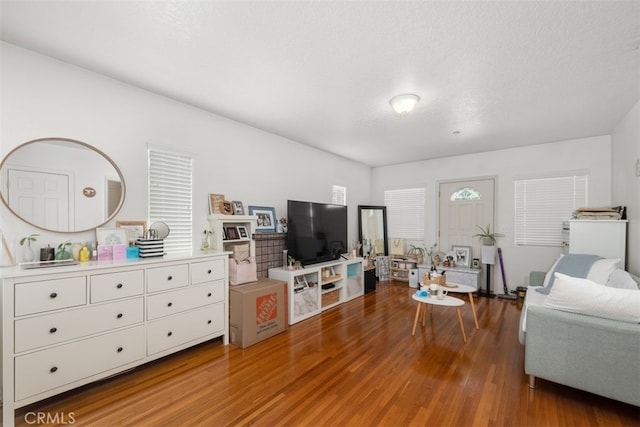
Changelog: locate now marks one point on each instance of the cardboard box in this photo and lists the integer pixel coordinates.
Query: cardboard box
(257, 311)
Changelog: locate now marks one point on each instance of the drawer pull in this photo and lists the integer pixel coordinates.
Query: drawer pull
(169, 304)
(53, 295)
(120, 349)
(119, 286)
(170, 278)
(53, 369)
(209, 271)
(53, 330)
(208, 322)
(169, 334)
(209, 294)
(119, 316)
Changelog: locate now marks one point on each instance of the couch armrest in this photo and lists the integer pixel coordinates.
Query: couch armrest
(585, 352)
(536, 278)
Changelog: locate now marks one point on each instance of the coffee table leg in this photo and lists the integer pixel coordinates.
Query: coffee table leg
(415, 321)
(461, 325)
(473, 309)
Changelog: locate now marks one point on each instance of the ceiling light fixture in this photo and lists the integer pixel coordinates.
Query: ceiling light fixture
(405, 103)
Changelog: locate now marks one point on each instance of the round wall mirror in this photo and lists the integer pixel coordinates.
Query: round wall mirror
(61, 185)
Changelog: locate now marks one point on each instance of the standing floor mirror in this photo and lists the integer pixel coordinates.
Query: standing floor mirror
(372, 230)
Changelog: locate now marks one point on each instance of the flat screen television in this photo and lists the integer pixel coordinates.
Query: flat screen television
(316, 232)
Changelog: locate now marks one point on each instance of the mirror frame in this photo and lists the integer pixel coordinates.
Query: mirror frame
(85, 145)
(384, 225)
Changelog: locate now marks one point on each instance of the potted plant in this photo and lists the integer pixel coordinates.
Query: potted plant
(27, 252)
(290, 260)
(488, 239)
(486, 236)
(419, 253)
(63, 253)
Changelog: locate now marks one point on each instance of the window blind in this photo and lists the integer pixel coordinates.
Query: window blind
(339, 195)
(405, 213)
(170, 197)
(542, 204)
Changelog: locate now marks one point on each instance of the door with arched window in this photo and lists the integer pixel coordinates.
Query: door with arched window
(463, 205)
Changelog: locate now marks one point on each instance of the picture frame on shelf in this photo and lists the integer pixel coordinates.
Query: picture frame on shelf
(462, 255)
(266, 222)
(232, 233)
(134, 229)
(214, 203)
(242, 232)
(226, 208)
(238, 207)
(111, 236)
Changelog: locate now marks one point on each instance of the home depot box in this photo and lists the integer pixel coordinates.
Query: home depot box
(257, 311)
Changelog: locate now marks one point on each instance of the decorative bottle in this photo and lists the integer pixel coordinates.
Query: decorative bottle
(84, 254)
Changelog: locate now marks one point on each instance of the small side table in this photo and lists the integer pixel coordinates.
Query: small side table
(464, 289)
(447, 301)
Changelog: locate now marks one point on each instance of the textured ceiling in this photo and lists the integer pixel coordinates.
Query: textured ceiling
(503, 74)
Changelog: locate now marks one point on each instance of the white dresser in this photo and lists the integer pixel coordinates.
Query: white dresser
(63, 327)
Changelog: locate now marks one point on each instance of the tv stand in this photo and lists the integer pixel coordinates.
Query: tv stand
(321, 286)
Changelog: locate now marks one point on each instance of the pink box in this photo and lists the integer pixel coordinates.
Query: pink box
(105, 252)
(119, 252)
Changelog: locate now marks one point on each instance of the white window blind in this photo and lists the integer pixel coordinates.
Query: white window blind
(405, 213)
(170, 197)
(542, 204)
(339, 195)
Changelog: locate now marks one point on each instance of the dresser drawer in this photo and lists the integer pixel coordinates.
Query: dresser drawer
(46, 295)
(44, 330)
(168, 303)
(45, 370)
(110, 286)
(163, 278)
(207, 271)
(177, 330)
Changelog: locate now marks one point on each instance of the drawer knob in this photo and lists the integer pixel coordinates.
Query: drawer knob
(53, 369)
(53, 295)
(120, 349)
(119, 316)
(209, 294)
(119, 286)
(53, 330)
(169, 333)
(170, 278)
(209, 271)
(169, 304)
(208, 322)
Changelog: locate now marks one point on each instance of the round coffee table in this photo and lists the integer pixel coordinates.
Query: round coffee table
(464, 289)
(447, 301)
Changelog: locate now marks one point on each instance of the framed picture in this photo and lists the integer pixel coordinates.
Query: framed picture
(214, 203)
(111, 236)
(134, 229)
(242, 232)
(266, 218)
(232, 233)
(463, 255)
(238, 208)
(226, 208)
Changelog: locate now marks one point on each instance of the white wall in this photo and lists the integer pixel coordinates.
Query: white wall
(625, 183)
(592, 154)
(42, 97)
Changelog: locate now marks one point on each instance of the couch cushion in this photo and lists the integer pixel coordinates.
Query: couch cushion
(577, 295)
(622, 280)
(592, 267)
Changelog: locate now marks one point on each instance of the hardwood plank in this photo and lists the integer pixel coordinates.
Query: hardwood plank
(356, 364)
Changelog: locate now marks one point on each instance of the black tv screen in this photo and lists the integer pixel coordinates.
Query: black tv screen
(317, 232)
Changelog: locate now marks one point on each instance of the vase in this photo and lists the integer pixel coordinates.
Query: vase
(63, 254)
(205, 245)
(27, 254)
(75, 251)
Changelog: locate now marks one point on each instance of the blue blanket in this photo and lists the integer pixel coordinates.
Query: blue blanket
(575, 265)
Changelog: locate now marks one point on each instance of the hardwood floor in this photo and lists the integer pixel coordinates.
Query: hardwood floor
(356, 364)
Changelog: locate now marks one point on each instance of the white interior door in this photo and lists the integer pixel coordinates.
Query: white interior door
(463, 205)
(39, 197)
